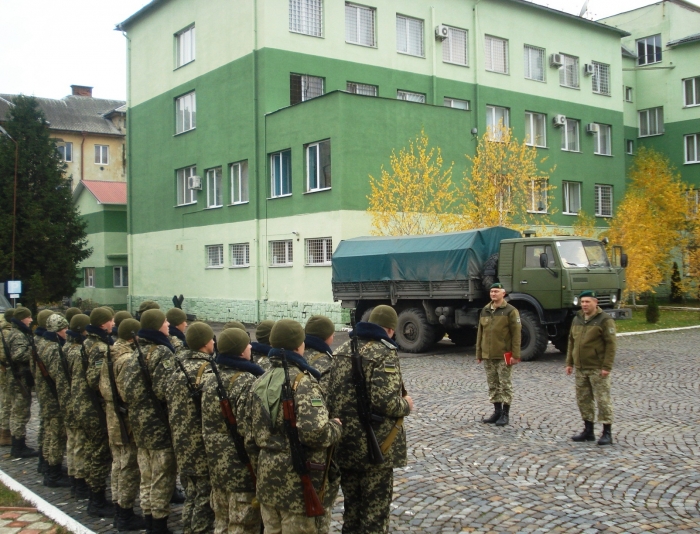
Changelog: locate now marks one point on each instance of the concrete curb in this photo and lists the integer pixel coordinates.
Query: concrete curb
(625, 334)
(49, 510)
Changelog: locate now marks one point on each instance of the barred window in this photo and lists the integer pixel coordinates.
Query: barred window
(121, 276)
(303, 87)
(359, 25)
(496, 51)
(185, 113)
(602, 140)
(538, 196)
(409, 35)
(319, 251)
(89, 277)
(601, 78)
(572, 197)
(649, 50)
(411, 97)
(570, 136)
(306, 16)
(651, 121)
(239, 182)
(692, 148)
(603, 200)
(214, 188)
(534, 63)
(454, 48)
(240, 254)
(568, 72)
(184, 46)
(456, 103)
(281, 253)
(361, 89)
(215, 256)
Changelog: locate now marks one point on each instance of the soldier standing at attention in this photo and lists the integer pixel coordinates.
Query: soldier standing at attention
(498, 333)
(178, 324)
(368, 487)
(592, 352)
(40, 385)
(261, 345)
(5, 399)
(320, 332)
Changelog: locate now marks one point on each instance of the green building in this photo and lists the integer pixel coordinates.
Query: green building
(253, 128)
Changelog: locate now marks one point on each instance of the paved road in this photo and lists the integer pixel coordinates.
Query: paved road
(464, 476)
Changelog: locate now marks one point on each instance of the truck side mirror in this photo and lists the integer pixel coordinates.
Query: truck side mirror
(544, 260)
(623, 261)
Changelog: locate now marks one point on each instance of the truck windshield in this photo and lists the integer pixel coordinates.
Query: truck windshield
(582, 254)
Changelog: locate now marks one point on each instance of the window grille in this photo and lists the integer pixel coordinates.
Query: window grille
(359, 25)
(319, 251)
(568, 72)
(454, 48)
(410, 97)
(601, 78)
(215, 256)
(496, 54)
(306, 16)
(534, 63)
(603, 200)
(281, 252)
(303, 87)
(361, 89)
(240, 254)
(409, 36)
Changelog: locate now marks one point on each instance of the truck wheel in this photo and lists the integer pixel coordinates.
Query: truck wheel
(533, 336)
(464, 337)
(414, 333)
(490, 271)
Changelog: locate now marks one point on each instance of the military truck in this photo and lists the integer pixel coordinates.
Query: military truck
(439, 283)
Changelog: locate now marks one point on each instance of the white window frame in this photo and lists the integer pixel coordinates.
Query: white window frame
(629, 93)
(655, 41)
(66, 155)
(629, 146)
(324, 246)
(569, 75)
(410, 96)
(356, 27)
(490, 44)
(101, 154)
(541, 56)
(450, 102)
(538, 194)
(600, 81)
(313, 183)
(694, 85)
(566, 196)
(306, 17)
(361, 89)
(602, 144)
(565, 135)
(239, 250)
(600, 200)
(185, 113)
(405, 46)
(691, 140)
(215, 183)
(493, 118)
(450, 46)
(185, 46)
(278, 192)
(531, 118)
(240, 193)
(210, 251)
(120, 276)
(89, 277)
(286, 257)
(649, 117)
(181, 176)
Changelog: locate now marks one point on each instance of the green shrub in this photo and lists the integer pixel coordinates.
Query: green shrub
(676, 289)
(653, 311)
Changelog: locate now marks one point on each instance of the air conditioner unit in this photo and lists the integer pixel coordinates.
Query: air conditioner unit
(194, 182)
(592, 128)
(441, 32)
(588, 69)
(556, 60)
(559, 120)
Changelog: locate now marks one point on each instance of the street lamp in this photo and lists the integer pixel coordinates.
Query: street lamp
(14, 200)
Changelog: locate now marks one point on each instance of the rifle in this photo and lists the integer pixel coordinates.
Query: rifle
(364, 410)
(13, 367)
(312, 503)
(64, 364)
(42, 368)
(91, 392)
(149, 383)
(119, 409)
(195, 393)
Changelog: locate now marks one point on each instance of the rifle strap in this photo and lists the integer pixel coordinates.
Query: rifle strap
(316, 357)
(297, 379)
(150, 351)
(235, 377)
(200, 372)
(389, 441)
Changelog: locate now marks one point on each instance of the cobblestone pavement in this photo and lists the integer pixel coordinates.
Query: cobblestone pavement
(24, 521)
(464, 476)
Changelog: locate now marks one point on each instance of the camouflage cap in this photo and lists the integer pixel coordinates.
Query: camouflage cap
(148, 305)
(198, 335)
(120, 316)
(56, 323)
(152, 319)
(319, 326)
(42, 316)
(235, 324)
(287, 334)
(176, 316)
(100, 316)
(385, 316)
(127, 328)
(588, 293)
(72, 312)
(21, 313)
(262, 332)
(9, 313)
(79, 321)
(233, 341)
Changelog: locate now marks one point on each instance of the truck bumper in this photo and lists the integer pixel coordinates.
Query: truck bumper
(620, 313)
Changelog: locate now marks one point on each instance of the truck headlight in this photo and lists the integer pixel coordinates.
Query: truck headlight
(613, 298)
(575, 301)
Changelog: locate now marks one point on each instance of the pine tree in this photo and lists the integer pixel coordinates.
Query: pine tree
(676, 287)
(50, 238)
(652, 311)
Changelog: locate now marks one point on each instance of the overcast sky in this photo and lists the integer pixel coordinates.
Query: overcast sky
(47, 45)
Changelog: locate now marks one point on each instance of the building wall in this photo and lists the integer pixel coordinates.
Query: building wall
(114, 171)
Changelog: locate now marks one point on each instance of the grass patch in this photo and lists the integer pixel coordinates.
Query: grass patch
(11, 498)
(668, 319)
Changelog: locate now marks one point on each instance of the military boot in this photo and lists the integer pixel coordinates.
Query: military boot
(587, 434)
(82, 490)
(606, 437)
(128, 520)
(5, 437)
(42, 466)
(148, 519)
(495, 416)
(117, 513)
(20, 449)
(160, 526)
(53, 478)
(72, 486)
(505, 411)
(98, 505)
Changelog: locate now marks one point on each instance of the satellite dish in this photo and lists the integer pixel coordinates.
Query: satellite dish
(584, 8)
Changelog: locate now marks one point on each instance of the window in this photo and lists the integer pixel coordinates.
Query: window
(319, 251)
(454, 48)
(628, 94)
(184, 194)
(535, 129)
(568, 72)
(303, 87)
(318, 166)
(532, 256)
(602, 140)
(102, 154)
(534, 63)
(495, 116)
(691, 91)
(281, 253)
(651, 122)
(306, 16)
(572, 197)
(239, 182)
(411, 97)
(649, 50)
(215, 256)
(361, 89)
(456, 103)
(538, 196)
(65, 150)
(409, 35)
(281, 173)
(185, 113)
(569, 136)
(692, 148)
(184, 47)
(601, 78)
(121, 276)
(496, 51)
(214, 192)
(603, 200)
(89, 276)
(240, 255)
(629, 146)
(359, 25)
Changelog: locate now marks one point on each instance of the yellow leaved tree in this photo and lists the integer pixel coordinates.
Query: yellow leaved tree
(585, 225)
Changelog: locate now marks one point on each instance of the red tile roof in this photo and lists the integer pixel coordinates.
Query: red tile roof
(107, 192)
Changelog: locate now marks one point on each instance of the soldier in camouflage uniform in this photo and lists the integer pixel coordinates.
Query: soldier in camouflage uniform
(39, 383)
(5, 399)
(261, 347)
(591, 351)
(19, 386)
(118, 318)
(178, 324)
(233, 488)
(145, 390)
(279, 489)
(367, 487)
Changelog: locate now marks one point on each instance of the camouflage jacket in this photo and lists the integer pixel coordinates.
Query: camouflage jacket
(278, 484)
(119, 354)
(6, 329)
(148, 415)
(382, 371)
(39, 343)
(259, 355)
(226, 471)
(60, 371)
(96, 347)
(86, 413)
(21, 353)
(178, 343)
(322, 362)
(184, 412)
(49, 406)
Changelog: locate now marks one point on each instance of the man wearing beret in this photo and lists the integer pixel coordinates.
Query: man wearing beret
(5, 399)
(261, 345)
(233, 488)
(178, 324)
(368, 487)
(592, 352)
(498, 334)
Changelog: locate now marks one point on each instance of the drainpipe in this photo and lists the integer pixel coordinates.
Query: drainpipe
(434, 46)
(259, 173)
(477, 70)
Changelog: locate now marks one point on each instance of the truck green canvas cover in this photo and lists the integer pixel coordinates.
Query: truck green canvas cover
(425, 258)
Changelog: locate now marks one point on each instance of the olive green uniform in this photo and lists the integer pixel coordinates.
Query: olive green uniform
(20, 351)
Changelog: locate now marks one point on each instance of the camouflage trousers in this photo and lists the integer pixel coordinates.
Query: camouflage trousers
(20, 411)
(498, 377)
(5, 400)
(368, 496)
(279, 521)
(97, 458)
(54, 440)
(158, 474)
(323, 523)
(75, 452)
(125, 474)
(234, 512)
(197, 515)
(592, 389)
